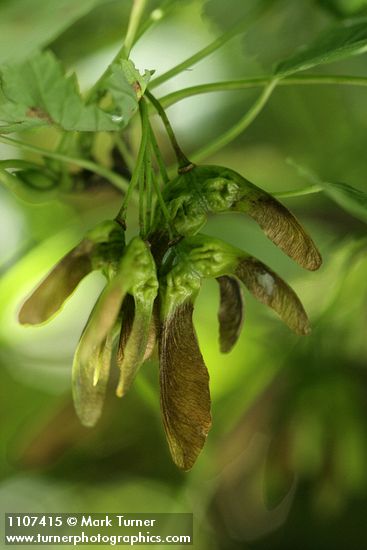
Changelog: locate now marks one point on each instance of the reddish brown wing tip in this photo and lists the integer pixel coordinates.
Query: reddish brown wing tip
(184, 379)
(281, 227)
(272, 291)
(230, 314)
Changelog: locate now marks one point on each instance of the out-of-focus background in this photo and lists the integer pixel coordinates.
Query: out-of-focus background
(285, 462)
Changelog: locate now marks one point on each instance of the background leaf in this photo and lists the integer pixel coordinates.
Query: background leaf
(344, 8)
(22, 32)
(226, 14)
(350, 199)
(333, 45)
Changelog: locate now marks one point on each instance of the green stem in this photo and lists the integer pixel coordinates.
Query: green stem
(65, 141)
(305, 172)
(183, 161)
(142, 200)
(158, 156)
(212, 47)
(163, 206)
(124, 52)
(112, 177)
(148, 187)
(259, 82)
(136, 14)
(121, 216)
(240, 126)
(19, 164)
(298, 192)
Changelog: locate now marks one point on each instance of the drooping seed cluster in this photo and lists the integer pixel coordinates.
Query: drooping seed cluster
(150, 292)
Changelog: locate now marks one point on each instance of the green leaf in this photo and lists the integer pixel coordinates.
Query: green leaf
(338, 43)
(36, 92)
(25, 27)
(14, 115)
(350, 199)
(126, 86)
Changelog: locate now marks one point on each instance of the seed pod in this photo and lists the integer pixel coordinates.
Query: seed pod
(185, 398)
(132, 353)
(127, 319)
(136, 337)
(214, 189)
(201, 257)
(100, 249)
(135, 275)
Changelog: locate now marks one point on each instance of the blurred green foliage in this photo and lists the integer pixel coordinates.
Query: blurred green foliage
(284, 466)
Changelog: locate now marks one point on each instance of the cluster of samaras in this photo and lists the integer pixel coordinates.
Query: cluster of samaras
(150, 291)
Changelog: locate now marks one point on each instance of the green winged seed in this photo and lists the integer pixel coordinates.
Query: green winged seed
(128, 312)
(108, 231)
(132, 355)
(201, 257)
(98, 250)
(191, 260)
(179, 286)
(90, 379)
(50, 295)
(185, 398)
(127, 319)
(135, 275)
(214, 189)
(230, 314)
(184, 382)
